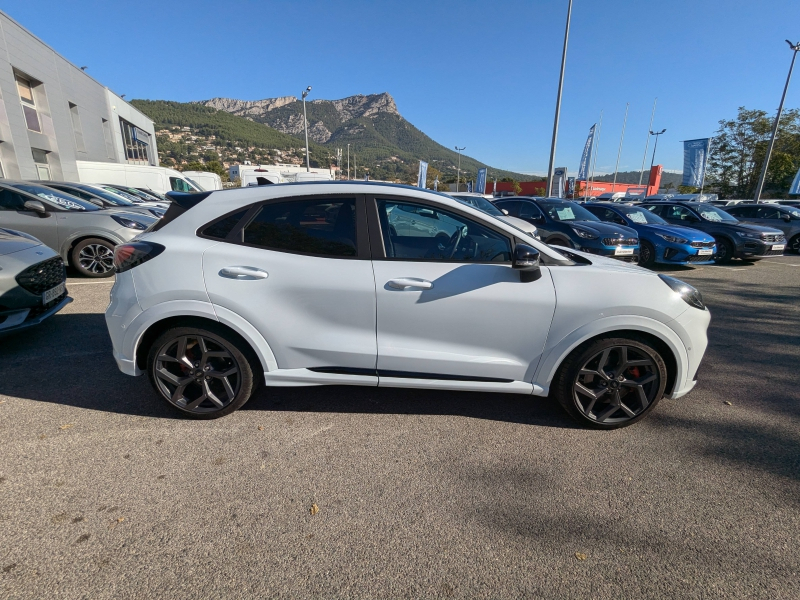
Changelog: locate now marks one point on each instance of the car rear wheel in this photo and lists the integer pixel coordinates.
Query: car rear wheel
(794, 245)
(724, 251)
(93, 257)
(204, 374)
(611, 382)
(647, 254)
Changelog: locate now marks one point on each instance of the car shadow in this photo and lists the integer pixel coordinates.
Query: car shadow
(68, 360)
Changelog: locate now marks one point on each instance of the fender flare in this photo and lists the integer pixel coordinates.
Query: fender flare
(145, 320)
(556, 352)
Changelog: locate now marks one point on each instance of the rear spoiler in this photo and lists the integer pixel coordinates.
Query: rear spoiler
(180, 202)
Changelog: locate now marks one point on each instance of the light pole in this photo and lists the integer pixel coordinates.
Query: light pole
(305, 121)
(348, 161)
(647, 143)
(458, 175)
(558, 103)
(655, 145)
(760, 186)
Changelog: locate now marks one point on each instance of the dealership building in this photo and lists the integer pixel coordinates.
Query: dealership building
(53, 114)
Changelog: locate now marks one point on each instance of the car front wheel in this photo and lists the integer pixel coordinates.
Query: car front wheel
(204, 374)
(794, 245)
(93, 257)
(724, 252)
(611, 382)
(647, 254)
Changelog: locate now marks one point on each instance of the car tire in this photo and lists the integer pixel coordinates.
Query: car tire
(625, 375)
(724, 251)
(647, 254)
(794, 245)
(203, 372)
(93, 257)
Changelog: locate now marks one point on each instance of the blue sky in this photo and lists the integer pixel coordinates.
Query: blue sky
(478, 74)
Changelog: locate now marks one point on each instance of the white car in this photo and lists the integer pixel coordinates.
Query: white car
(314, 283)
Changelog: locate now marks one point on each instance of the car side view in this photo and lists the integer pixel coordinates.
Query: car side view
(332, 283)
(105, 198)
(659, 242)
(32, 282)
(569, 224)
(83, 234)
(734, 238)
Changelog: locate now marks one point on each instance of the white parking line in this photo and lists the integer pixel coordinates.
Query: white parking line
(88, 282)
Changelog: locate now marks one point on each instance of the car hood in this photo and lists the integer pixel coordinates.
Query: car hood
(608, 263)
(520, 224)
(693, 235)
(11, 241)
(603, 228)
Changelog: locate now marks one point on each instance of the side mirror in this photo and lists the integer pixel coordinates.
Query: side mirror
(505, 212)
(787, 218)
(526, 261)
(36, 206)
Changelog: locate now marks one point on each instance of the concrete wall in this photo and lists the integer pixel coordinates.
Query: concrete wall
(62, 83)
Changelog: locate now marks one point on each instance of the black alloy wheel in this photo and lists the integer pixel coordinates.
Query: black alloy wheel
(611, 383)
(94, 257)
(201, 373)
(794, 245)
(647, 254)
(724, 251)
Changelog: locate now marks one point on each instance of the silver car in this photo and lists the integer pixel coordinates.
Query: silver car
(32, 281)
(80, 232)
(105, 198)
(785, 218)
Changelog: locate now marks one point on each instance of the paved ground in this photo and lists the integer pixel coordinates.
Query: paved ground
(104, 494)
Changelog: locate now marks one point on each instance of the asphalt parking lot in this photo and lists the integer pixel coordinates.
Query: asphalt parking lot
(104, 493)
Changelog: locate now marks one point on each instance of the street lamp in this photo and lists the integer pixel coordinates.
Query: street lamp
(305, 121)
(458, 176)
(655, 145)
(795, 48)
(348, 161)
(558, 103)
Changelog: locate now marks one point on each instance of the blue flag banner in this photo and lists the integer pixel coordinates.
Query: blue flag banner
(583, 171)
(795, 189)
(695, 156)
(480, 185)
(422, 176)
(469, 187)
(570, 186)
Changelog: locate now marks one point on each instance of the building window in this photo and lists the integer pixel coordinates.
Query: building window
(107, 137)
(137, 143)
(28, 104)
(76, 127)
(42, 166)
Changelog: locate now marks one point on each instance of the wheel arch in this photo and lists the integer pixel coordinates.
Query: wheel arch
(666, 341)
(557, 237)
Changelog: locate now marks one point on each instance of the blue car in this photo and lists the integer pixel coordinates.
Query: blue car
(660, 242)
(563, 223)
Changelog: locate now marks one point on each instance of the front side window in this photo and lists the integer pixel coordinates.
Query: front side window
(25, 90)
(678, 213)
(11, 201)
(528, 210)
(179, 185)
(325, 227)
(768, 212)
(422, 232)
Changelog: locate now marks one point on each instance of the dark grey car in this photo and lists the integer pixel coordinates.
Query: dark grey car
(785, 218)
(32, 281)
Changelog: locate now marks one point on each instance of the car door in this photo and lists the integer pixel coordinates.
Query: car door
(454, 309)
(299, 271)
(14, 215)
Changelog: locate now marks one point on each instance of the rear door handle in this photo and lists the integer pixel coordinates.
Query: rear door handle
(406, 282)
(243, 273)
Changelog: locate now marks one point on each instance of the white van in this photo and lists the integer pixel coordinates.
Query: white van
(158, 179)
(205, 180)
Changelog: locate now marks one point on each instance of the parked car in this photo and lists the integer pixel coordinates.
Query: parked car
(659, 242)
(734, 239)
(724, 203)
(795, 202)
(105, 198)
(82, 234)
(777, 216)
(32, 281)
(136, 195)
(480, 202)
(355, 299)
(564, 223)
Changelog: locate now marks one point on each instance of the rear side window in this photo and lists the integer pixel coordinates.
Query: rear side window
(221, 229)
(325, 227)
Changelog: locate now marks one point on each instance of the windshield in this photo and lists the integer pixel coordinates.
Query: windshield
(711, 213)
(112, 197)
(128, 195)
(567, 211)
(481, 204)
(642, 217)
(53, 196)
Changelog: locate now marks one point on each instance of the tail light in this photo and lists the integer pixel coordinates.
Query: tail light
(127, 256)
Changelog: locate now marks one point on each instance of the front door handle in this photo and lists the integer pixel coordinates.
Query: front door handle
(243, 273)
(405, 282)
